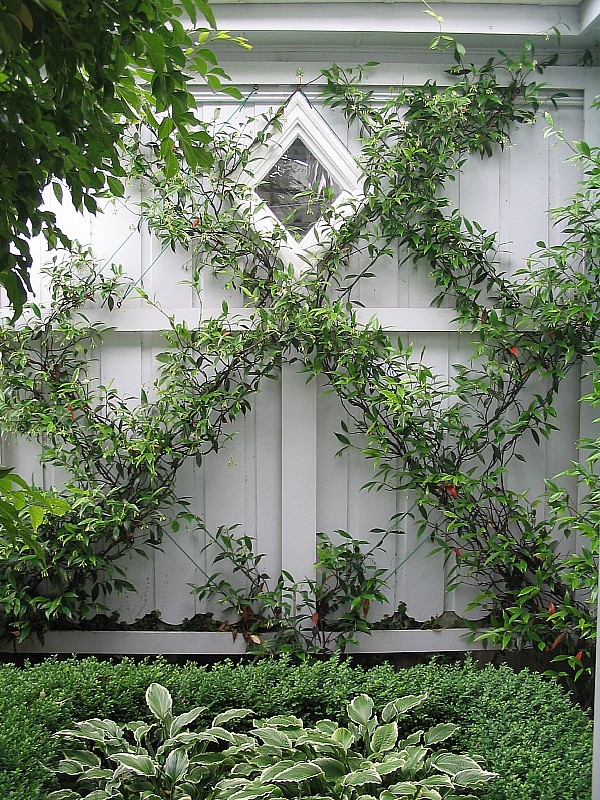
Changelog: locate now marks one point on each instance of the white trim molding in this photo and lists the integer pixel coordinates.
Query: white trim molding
(300, 120)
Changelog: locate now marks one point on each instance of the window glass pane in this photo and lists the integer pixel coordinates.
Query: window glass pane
(297, 188)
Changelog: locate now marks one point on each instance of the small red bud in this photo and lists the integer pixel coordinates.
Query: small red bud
(579, 655)
(451, 490)
(457, 552)
(514, 350)
(551, 608)
(195, 222)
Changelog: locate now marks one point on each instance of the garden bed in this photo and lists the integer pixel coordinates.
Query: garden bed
(525, 726)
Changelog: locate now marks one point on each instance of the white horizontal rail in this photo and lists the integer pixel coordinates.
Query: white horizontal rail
(143, 320)
(152, 643)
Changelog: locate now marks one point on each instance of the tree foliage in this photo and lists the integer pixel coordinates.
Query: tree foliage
(74, 76)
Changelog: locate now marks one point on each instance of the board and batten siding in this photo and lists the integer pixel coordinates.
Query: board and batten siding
(278, 478)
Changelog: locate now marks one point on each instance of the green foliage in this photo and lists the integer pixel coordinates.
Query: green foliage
(75, 76)
(524, 726)
(313, 616)
(24, 552)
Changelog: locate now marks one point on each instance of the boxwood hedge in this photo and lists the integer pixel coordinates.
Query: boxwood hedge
(524, 725)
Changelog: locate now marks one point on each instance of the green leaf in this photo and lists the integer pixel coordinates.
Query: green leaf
(384, 737)
(344, 737)
(297, 773)
(183, 720)
(273, 737)
(362, 777)
(404, 789)
(176, 765)
(401, 706)
(37, 514)
(332, 768)
(234, 713)
(360, 710)
(451, 764)
(141, 765)
(439, 733)
(473, 778)
(159, 701)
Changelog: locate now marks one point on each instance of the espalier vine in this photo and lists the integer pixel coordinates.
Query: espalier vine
(451, 444)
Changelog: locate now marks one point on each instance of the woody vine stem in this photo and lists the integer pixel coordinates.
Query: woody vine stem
(449, 444)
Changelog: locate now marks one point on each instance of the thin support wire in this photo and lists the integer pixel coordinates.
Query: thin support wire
(132, 286)
(110, 258)
(186, 554)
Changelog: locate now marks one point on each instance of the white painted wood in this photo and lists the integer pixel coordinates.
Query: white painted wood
(142, 643)
(381, 17)
(298, 473)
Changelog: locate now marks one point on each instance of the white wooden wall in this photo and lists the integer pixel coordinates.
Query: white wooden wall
(278, 477)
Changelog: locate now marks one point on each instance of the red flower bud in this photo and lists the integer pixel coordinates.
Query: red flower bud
(579, 655)
(451, 490)
(551, 608)
(457, 552)
(514, 350)
(195, 222)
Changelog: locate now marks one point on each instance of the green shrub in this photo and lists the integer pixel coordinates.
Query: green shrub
(523, 725)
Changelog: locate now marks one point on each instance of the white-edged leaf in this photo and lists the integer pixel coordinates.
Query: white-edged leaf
(451, 764)
(142, 765)
(344, 737)
(404, 789)
(139, 729)
(327, 726)
(473, 778)
(390, 765)
(437, 780)
(183, 720)
(384, 737)
(403, 704)
(98, 794)
(222, 734)
(281, 721)
(233, 713)
(64, 794)
(273, 737)
(85, 757)
(430, 794)
(415, 755)
(252, 791)
(176, 765)
(360, 710)
(439, 733)
(275, 769)
(70, 766)
(332, 768)
(297, 773)
(362, 777)
(159, 700)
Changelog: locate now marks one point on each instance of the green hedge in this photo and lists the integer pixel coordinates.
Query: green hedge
(524, 725)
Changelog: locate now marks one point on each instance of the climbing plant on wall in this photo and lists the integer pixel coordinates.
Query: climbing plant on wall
(450, 444)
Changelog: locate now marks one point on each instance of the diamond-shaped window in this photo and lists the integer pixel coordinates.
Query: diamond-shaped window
(297, 188)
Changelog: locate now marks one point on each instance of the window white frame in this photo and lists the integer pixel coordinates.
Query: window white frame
(301, 120)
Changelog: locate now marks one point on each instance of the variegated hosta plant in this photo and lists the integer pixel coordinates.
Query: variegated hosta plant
(367, 759)
(150, 761)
